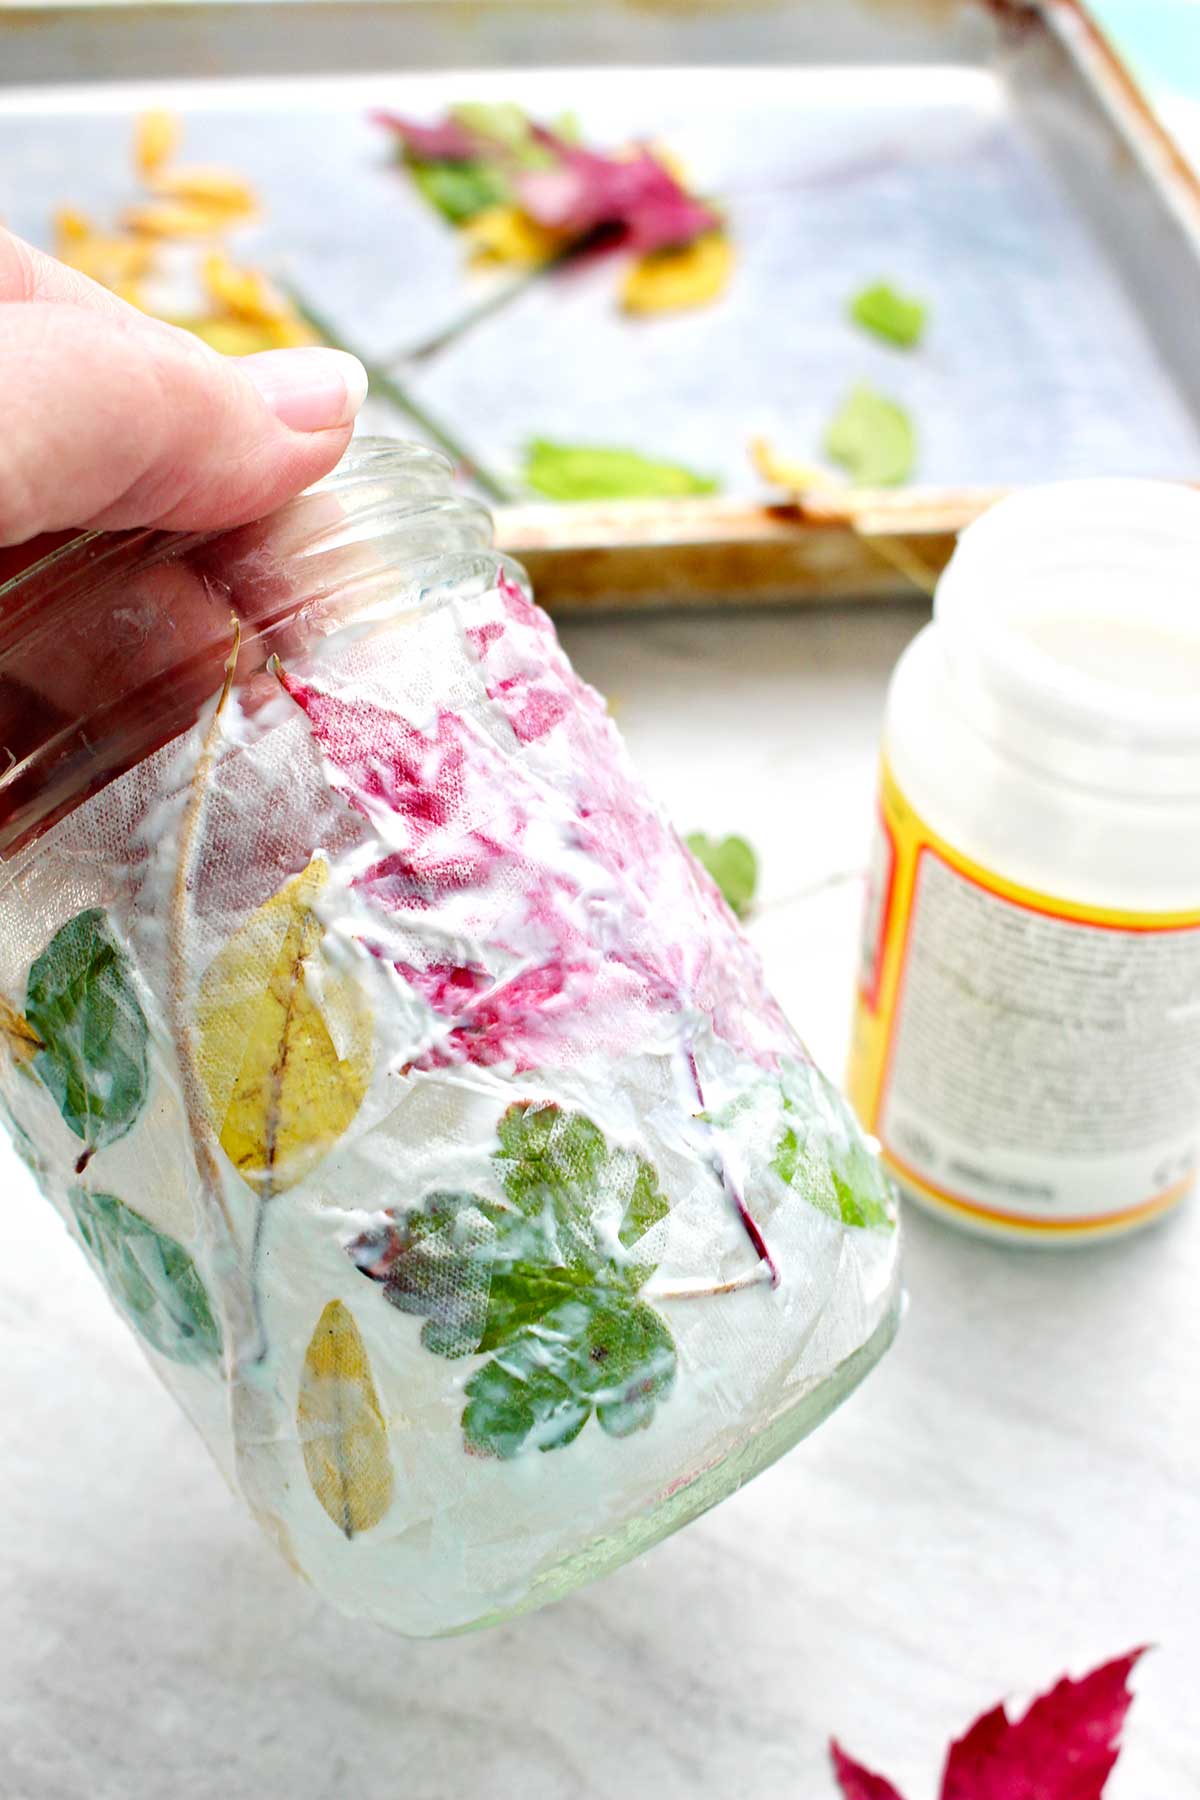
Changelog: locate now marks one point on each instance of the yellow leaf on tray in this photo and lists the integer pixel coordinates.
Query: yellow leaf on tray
(108, 260)
(178, 219)
(155, 139)
(670, 280)
(284, 1040)
(70, 227)
(781, 471)
(18, 1036)
(200, 185)
(505, 234)
(249, 296)
(342, 1433)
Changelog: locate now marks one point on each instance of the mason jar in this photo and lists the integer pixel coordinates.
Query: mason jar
(411, 1089)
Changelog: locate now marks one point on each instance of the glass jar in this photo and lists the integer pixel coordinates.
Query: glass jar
(412, 1090)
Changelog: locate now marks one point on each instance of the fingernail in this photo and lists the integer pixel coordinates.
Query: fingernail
(309, 389)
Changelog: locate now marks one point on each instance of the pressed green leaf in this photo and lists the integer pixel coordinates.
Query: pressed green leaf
(822, 1155)
(802, 1126)
(544, 1281)
(898, 318)
(459, 190)
(81, 1002)
(591, 1353)
(593, 472)
(873, 438)
(150, 1276)
(732, 864)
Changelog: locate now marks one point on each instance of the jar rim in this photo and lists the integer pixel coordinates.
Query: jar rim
(113, 643)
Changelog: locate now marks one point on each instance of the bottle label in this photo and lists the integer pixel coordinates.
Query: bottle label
(1025, 1062)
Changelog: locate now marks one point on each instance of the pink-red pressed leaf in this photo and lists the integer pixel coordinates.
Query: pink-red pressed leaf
(447, 141)
(856, 1782)
(1064, 1748)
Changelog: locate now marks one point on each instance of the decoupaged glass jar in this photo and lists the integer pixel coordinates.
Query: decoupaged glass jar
(411, 1089)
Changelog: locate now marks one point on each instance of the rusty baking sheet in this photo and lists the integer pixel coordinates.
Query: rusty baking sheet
(993, 157)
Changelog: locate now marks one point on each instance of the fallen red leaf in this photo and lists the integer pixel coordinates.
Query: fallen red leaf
(1065, 1747)
(856, 1782)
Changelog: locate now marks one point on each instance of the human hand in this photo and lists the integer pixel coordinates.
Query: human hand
(114, 419)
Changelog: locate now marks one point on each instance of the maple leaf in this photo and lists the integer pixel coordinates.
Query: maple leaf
(1065, 1747)
(856, 1782)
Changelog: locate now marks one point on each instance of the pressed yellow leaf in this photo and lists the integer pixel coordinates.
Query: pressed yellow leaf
(200, 185)
(671, 280)
(505, 234)
(780, 471)
(20, 1039)
(156, 138)
(284, 1040)
(342, 1433)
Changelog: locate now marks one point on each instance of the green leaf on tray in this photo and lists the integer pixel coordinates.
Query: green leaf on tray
(733, 865)
(591, 472)
(81, 1001)
(873, 438)
(898, 318)
(150, 1276)
(459, 190)
(508, 126)
(544, 1281)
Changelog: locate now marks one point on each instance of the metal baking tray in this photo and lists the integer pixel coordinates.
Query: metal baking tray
(992, 155)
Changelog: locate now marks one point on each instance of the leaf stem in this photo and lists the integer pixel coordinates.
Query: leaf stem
(387, 387)
(495, 302)
(749, 1223)
(761, 1273)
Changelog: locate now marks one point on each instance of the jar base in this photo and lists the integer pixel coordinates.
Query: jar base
(712, 1485)
(1035, 1234)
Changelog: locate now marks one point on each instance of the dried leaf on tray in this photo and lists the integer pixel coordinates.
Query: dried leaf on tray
(872, 438)
(674, 280)
(190, 210)
(595, 472)
(541, 191)
(897, 318)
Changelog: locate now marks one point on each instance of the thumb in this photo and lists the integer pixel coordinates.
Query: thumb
(111, 419)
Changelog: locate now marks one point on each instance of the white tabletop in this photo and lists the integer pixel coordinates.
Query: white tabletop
(1015, 1490)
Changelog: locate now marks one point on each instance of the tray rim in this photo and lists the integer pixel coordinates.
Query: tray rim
(858, 543)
